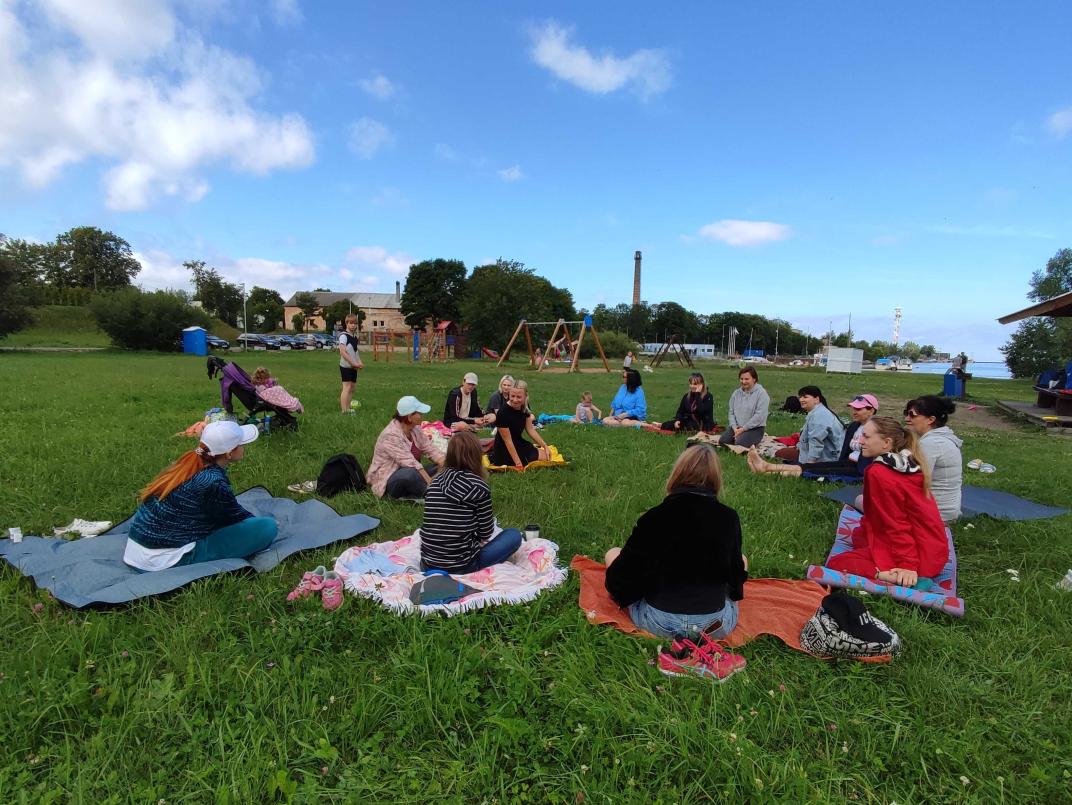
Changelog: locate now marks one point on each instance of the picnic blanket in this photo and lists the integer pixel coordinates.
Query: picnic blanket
(778, 607)
(767, 446)
(386, 571)
(92, 571)
(556, 460)
(976, 500)
(943, 595)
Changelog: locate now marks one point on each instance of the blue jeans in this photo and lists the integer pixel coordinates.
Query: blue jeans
(498, 549)
(668, 624)
(244, 538)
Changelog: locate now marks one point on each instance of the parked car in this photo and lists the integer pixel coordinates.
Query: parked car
(271, 342)
(305, 341)
(215, 342)
(252, 341)
(325, 340)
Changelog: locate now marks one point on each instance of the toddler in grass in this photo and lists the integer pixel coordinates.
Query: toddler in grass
(585, 410)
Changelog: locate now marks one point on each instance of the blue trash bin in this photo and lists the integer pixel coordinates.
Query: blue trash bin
(194, 341)
(953, 385)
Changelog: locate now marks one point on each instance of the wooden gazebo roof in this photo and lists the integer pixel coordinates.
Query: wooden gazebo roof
(1058, 306)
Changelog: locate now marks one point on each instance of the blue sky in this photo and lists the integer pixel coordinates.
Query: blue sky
(805, 161)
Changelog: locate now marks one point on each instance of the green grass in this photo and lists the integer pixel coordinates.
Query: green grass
(66, 326)
(224, 692)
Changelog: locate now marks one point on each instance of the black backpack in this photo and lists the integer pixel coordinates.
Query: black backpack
(792, 405)
(341, 473)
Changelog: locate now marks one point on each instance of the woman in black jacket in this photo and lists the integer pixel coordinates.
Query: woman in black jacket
(682, 571)
(696, 411)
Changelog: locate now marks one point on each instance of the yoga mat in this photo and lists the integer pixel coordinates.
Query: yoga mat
(92, 571)
(976, 500)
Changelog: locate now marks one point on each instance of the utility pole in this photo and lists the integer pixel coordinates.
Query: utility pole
(245, 324)
(776, 331)
(850, 330)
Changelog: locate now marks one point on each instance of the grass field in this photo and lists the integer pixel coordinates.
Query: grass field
(223, 692)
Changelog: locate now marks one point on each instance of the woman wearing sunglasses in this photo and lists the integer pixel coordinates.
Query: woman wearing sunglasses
(926, 417)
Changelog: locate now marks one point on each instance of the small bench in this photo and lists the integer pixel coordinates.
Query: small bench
(1060, 400)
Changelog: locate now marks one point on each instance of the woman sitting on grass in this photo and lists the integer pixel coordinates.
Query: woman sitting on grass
(629, 407)
(514, 419)
(850, 463)
(681, 570)
(499, 397)
(396, 470)
(269, 390)
(927, 417)
(189, 513)
(901, 538)
(822, 434)
(456, 533)
(696, 411)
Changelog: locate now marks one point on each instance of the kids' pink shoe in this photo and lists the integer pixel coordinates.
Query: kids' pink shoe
(331, 592)
(311, 582)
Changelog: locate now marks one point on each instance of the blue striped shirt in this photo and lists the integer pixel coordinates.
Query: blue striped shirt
(191, 512)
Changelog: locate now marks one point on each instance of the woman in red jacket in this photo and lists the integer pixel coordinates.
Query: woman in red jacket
(901, 538)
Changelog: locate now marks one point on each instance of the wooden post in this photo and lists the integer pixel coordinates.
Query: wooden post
(510, 345)
(599, 346)
(577, 351)
(550, 341)
(528, 340)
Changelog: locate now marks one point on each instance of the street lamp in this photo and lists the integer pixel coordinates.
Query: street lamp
(245, 324)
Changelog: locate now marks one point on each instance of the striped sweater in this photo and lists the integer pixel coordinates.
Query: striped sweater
(191, 512)
(457, 519)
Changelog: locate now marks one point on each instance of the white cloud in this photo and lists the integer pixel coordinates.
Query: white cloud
(745, 233)
(646, 72)
(151, 101)
(367, 136)
(286, 12)
(511, 174)
(378, 86)
(1060, 122)
(377, 257)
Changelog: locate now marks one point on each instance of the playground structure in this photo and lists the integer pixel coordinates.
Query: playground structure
(439, 343)
(673, 344)
(556, 344)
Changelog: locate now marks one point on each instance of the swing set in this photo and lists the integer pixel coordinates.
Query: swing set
(556, 343)
(672, 345)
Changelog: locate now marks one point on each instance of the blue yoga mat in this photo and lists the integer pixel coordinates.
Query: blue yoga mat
(92, 571)
(976, 500)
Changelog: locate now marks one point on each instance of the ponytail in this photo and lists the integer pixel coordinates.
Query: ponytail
(176, 474)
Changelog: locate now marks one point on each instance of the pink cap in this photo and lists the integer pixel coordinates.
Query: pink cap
(864, 401)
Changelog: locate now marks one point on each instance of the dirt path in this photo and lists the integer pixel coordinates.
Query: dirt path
(982, 417)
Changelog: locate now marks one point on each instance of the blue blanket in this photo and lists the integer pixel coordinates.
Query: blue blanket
(976, 500)
(91, 571)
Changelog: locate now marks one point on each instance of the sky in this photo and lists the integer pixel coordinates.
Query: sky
(807, 161)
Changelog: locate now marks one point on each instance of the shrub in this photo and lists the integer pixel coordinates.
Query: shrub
(139, 320)
(615, 345)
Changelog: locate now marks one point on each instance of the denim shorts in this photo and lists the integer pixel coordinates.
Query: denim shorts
(668, 624)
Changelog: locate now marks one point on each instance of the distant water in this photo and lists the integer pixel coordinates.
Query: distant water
(993, 370)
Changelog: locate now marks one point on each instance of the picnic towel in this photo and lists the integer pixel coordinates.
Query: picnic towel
(92, 571)
(767, 446)
(556, 460)
(778, 607)
(530, 571)
(976, 500)
(943, 595)
(550, 419)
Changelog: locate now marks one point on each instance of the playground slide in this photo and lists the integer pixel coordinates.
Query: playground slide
(490, 353)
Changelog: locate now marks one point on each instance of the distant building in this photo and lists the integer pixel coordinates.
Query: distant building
(383, 311)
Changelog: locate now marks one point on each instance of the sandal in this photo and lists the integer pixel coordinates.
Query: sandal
(975, 464)
(304, 488)
(311, 582)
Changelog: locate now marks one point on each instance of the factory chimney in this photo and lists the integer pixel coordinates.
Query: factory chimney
(636, 278)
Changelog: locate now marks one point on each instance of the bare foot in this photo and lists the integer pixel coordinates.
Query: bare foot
(755, 462)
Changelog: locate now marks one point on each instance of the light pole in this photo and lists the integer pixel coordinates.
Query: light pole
(245, 324)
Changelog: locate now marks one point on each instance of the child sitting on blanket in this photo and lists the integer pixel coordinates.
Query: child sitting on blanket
(189, 513)
(901, 538)
(587, 412)
(269, 390)
(682, 571)
(456, 533)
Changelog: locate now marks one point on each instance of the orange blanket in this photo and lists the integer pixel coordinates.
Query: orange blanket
(778, 607)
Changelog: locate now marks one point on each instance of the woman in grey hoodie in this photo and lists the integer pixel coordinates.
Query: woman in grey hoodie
(927, 417)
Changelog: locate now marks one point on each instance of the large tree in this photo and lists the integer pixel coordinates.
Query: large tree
(499, 295)
(87, 257)
(1043, 342)
(434, 290)
(265, 309)
(220, 298)
(309, 307)
(14, 314)
(338, 311)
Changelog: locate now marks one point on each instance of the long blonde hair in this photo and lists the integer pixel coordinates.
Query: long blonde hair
(903, 439)
(697, 465)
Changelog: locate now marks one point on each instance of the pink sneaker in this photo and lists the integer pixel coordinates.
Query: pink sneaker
(701, 656)
(331, 592)
(311, 582)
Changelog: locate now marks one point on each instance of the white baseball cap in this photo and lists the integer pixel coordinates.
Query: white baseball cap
(224, 436)
(470, 377)
(410, 405)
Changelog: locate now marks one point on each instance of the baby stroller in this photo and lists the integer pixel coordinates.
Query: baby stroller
(234, 382)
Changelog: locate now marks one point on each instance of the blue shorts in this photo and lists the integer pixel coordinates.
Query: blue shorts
(668, 624)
